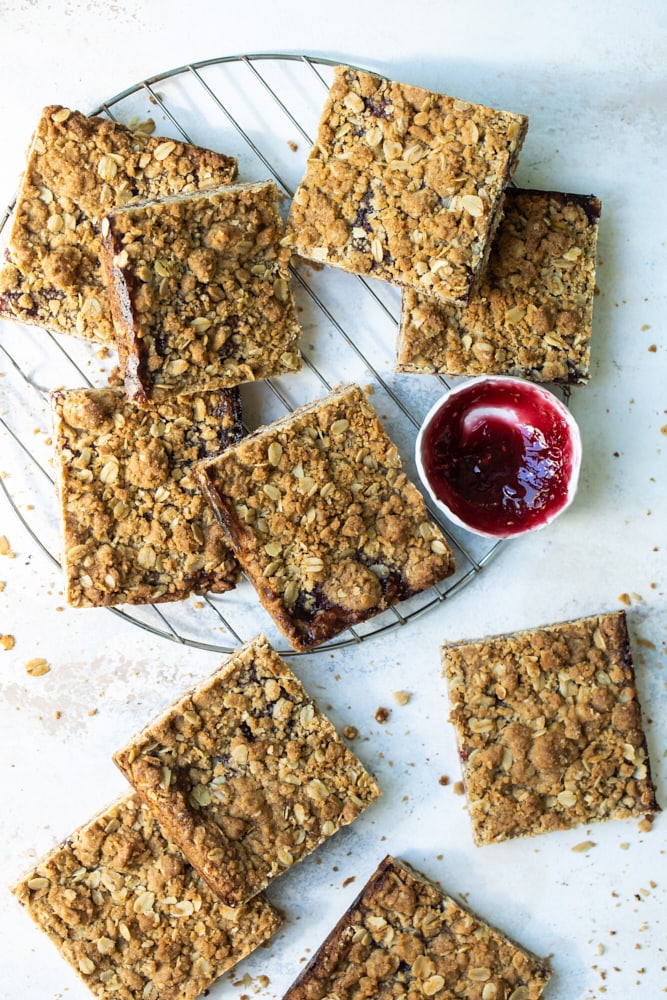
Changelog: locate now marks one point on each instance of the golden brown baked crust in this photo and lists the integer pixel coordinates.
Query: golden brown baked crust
(549, 728)
(78, 169)
(531, 315)
(403, 937)
(404, 184)
(246, 774)
(135, 527)
(199, 288)
(326, 525)
(132, 917)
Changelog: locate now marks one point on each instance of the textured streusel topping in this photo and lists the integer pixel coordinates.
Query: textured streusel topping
(404, 184)
(132, 917)
(322, 518)
(246, 774)
(200, 293)
(78, 169)
(531, 315)
(135, 527)
(403, 937)
(549, 728)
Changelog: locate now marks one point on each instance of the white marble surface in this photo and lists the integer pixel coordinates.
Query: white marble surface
(592, 80)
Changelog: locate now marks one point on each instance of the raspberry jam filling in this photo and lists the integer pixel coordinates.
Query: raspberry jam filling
(500, 454)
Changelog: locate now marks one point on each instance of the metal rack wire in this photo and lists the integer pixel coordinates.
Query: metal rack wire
(264, 110)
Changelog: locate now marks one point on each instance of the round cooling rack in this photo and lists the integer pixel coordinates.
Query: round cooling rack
(264, 110)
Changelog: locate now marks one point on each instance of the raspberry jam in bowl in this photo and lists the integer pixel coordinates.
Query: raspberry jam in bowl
(500, 456)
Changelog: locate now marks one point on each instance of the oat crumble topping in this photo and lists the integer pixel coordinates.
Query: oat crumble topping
(322, 518)
(132, 917)
(78, 169)
(404, 184)
(200, 293)
(549, 728)
(135, 527)
(245, 773)
(531, 315)
(403, 937)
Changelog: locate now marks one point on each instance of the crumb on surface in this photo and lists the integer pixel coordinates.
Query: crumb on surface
(5, 547)
(382, 714)
(37, 667)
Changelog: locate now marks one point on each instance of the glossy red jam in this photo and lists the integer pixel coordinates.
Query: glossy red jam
(501, 455)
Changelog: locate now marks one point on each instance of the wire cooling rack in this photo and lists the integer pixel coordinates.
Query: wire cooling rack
(264, 110)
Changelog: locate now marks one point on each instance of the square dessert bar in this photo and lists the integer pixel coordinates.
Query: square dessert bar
(531, 314)
(404, 184)
(78, 169)
(132, 917)
(403, 937)
(323, 521)
(245, 773)
(200, 294)
(135, 527)
(549, 728)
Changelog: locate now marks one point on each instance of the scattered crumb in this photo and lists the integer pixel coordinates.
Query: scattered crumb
(646, 642)
(57, 714)
(7, 641)
(653, 348)
(382, 714)
(624, 599)
(349, 881)
(350, 732)
(2, 585)
(401, 697)
(646, 824)
(458, 788)
(443, 779)
(5, 547)
(624, 846)
(292, 145)
(584, 845)
(37, 667)
(92, 711)
(198, 605)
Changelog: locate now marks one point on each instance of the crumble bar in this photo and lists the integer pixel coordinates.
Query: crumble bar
(403, 936)
(549, 728)
(404, 184)
(132, 917)
(199, 288)
(79, 168)
(531, 315)
(323, 520)
(245, 773)
(135, 527)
